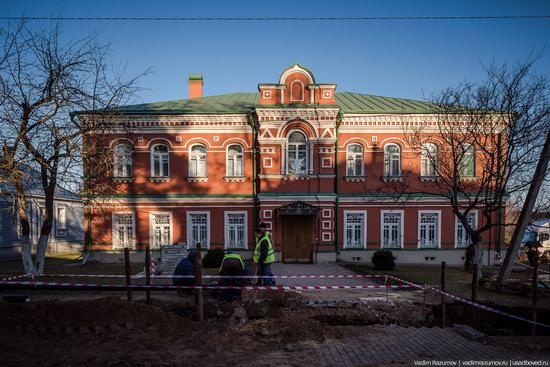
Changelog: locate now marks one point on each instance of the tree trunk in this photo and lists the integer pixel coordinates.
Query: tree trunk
(478, 259)
(41, 252)
(26, 255)
(525, 215)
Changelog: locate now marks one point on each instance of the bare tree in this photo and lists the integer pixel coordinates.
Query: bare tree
(43, 80)
(482, 146)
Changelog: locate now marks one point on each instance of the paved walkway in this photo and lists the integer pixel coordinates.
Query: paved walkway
(334, 295)
(383, 346)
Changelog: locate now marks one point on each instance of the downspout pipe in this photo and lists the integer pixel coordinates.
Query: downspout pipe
(337, 188)
(254, 168)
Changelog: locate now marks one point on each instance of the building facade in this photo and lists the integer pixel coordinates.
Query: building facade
(322, 169)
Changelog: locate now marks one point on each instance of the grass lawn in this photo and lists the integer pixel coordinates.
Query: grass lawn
(458, 282)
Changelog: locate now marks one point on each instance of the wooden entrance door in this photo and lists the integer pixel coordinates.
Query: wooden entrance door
(297, 238)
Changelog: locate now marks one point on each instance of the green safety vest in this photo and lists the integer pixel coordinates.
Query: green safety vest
(270, 252)
(232, 256)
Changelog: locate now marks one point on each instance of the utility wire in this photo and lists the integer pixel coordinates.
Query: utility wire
(271, 19)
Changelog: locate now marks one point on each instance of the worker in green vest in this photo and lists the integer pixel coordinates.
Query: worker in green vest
(264, 255)
(232, 265)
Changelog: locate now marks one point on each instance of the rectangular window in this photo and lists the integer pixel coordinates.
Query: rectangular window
(198, 228)
(235, 230)
(123, 230)
(354, 229)
(161, 229)
(61, 221)
(462, 237)
(428, 229)
(392, 229)
(198, 166)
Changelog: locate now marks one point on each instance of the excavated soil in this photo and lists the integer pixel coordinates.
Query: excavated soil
(113, 332)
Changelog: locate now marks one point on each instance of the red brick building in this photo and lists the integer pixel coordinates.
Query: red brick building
(314, 164)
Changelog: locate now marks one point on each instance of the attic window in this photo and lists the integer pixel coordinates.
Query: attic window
(297, 91)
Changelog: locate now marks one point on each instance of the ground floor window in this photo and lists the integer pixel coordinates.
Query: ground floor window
(123, 230)
(392, 227)
(61, 221)
(462, 237)
(235, 230)
(354, 229)
(428, 229)
(161, 229)
(198, 229)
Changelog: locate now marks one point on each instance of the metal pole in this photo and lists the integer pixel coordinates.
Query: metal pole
(443, 306)
(128, 274)
(423, 308)
(474, 294)
(148, 274)
(534, 301)
(198, 282)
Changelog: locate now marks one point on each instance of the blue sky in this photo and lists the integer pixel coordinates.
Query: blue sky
(409, 59)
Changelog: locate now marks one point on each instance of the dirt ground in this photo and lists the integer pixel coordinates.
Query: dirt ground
(113, 332)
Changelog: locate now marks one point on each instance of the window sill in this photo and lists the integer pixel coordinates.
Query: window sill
(468, 178)
(293, 177)
(355, 178)
(429, 178)
(123, 179)
(234, 178)
(392, 178)
(197, 179)
(159, 179)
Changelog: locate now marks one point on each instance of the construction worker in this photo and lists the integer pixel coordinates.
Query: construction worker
(264, 255)
(185, 267)
(232, 265)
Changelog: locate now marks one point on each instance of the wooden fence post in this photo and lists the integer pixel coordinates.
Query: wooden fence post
(128, 273)
(534, 301)
(198, 282)
(474, 294)
(442, 287)
(148, 274)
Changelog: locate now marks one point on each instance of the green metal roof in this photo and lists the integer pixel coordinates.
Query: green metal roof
(245, 102)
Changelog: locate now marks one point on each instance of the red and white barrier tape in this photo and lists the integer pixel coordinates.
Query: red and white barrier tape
(216, 276)
(205, 286)
(13, 277)
(478, 305)
(530, 267)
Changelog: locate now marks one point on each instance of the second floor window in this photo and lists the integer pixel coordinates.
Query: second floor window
(429, 160)
(392, 160)
(355, 160)
(197, 161)
(297, 153)
(467, 162)
(235, 162)
(159, 160)
(122, 161)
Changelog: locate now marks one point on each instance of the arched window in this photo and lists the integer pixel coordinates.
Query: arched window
(197, 161)
(296, 91)
(297, 153)
(355, 160)
(467, 161)
(122, 160)
(159, 161)
(429, 160)
(235, 162)
(392, 160)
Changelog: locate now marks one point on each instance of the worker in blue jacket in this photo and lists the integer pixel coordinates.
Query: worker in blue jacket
(185, 267)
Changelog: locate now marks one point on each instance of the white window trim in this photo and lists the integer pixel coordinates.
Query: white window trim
(400, 173)
(457, 222)
(226, 227)
(188, 225)
(227, 160)
(57, 228)
(382, 212)
(432, 161)
(151, 225)
(362, 173)
(151, 154)
(364, 227)
(116, 162)
(438, 212)
(133, 244)
(205, 160)
(287, 152)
